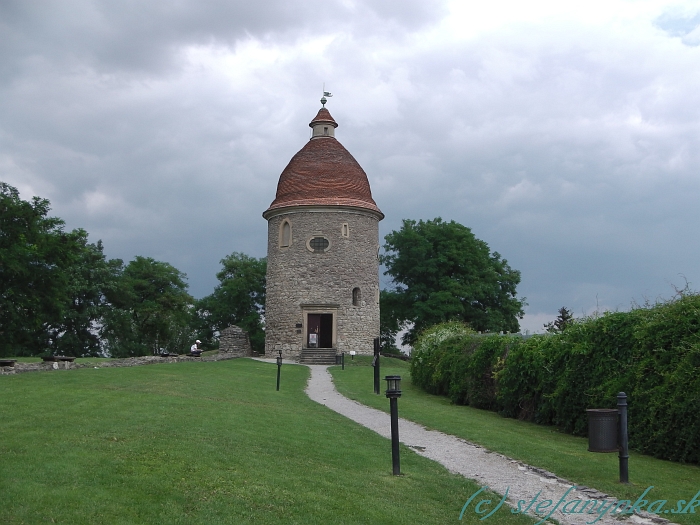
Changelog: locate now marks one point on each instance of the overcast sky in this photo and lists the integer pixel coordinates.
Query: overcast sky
(564, 134)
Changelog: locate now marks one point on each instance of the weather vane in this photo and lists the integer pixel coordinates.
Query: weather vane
(325, 94)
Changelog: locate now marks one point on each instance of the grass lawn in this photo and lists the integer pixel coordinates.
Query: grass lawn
(204, 443)
(537, 445)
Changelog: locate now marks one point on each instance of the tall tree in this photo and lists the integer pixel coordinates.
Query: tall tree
(563, 320)
(150, 310)
(238, 299)
(90, 277)
(35, 253)
(442, 272)
(391, 321)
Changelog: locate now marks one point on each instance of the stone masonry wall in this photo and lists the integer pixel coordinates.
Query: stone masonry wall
(235, 341)
(110, 363)
(297, 277)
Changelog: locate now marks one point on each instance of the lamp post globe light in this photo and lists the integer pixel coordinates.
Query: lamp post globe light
(393, 392)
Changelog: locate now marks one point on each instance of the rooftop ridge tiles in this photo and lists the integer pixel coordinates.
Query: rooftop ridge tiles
(323, 173)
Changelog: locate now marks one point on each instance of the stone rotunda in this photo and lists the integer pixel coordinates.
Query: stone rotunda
(322, 244)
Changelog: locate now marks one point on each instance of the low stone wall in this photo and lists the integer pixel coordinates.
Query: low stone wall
(129, 361)
(235, 341)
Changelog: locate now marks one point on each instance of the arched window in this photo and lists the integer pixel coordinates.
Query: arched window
(356, 297)
(285, 234)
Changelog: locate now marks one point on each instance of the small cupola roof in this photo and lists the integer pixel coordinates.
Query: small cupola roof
(323, 173)
(323, 117)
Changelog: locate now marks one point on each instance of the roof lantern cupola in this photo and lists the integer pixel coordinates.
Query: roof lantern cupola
(323, 125)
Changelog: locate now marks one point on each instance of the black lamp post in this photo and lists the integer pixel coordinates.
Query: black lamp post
(393, 392)
(375, 364)
(279, 367)
(624, 452)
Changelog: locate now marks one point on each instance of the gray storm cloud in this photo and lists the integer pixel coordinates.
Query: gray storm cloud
(569, 144)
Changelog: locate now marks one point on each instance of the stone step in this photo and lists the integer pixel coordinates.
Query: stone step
(318, 356)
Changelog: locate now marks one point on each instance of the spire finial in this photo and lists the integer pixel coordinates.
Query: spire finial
(325, 94)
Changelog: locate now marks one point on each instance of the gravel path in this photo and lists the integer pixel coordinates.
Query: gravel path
(499, 473)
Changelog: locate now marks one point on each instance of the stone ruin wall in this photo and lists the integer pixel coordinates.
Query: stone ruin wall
(19, 368)
(234, 341)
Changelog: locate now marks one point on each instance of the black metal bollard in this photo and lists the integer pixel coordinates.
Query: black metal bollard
(624, 452)
(342, 361)
(375, 364)
(395, 459)
(279, 367)
(393, 392)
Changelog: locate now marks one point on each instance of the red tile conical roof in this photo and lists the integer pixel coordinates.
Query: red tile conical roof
(323, 173)
(323, 115)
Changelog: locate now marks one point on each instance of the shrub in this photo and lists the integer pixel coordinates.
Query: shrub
(452, 360)
(651, 353)
(429, 350)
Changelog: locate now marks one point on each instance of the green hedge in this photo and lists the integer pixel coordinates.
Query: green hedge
(651, 353)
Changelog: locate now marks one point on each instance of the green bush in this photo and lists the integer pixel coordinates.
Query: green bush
(650, 353)
(430, 349)
(452, 360)
(520, 376)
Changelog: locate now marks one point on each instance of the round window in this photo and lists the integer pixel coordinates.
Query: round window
(319, 244)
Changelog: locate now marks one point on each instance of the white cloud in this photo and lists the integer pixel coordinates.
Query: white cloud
(692, 38)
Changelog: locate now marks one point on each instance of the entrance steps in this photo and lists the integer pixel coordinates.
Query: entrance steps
(317, 356)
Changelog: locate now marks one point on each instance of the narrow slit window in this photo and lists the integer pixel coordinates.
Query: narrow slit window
(325, 130)
(345, 230)
(356, 297)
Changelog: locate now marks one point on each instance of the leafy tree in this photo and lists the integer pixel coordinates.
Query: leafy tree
(90, 277)
(442, 272)
(58, 293)
(390, 322)
(563, 320)
(150, 310)
(34, 255)
(238, 299)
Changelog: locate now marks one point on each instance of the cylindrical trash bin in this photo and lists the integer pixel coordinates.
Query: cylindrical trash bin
(338, 358)
(602, 430)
